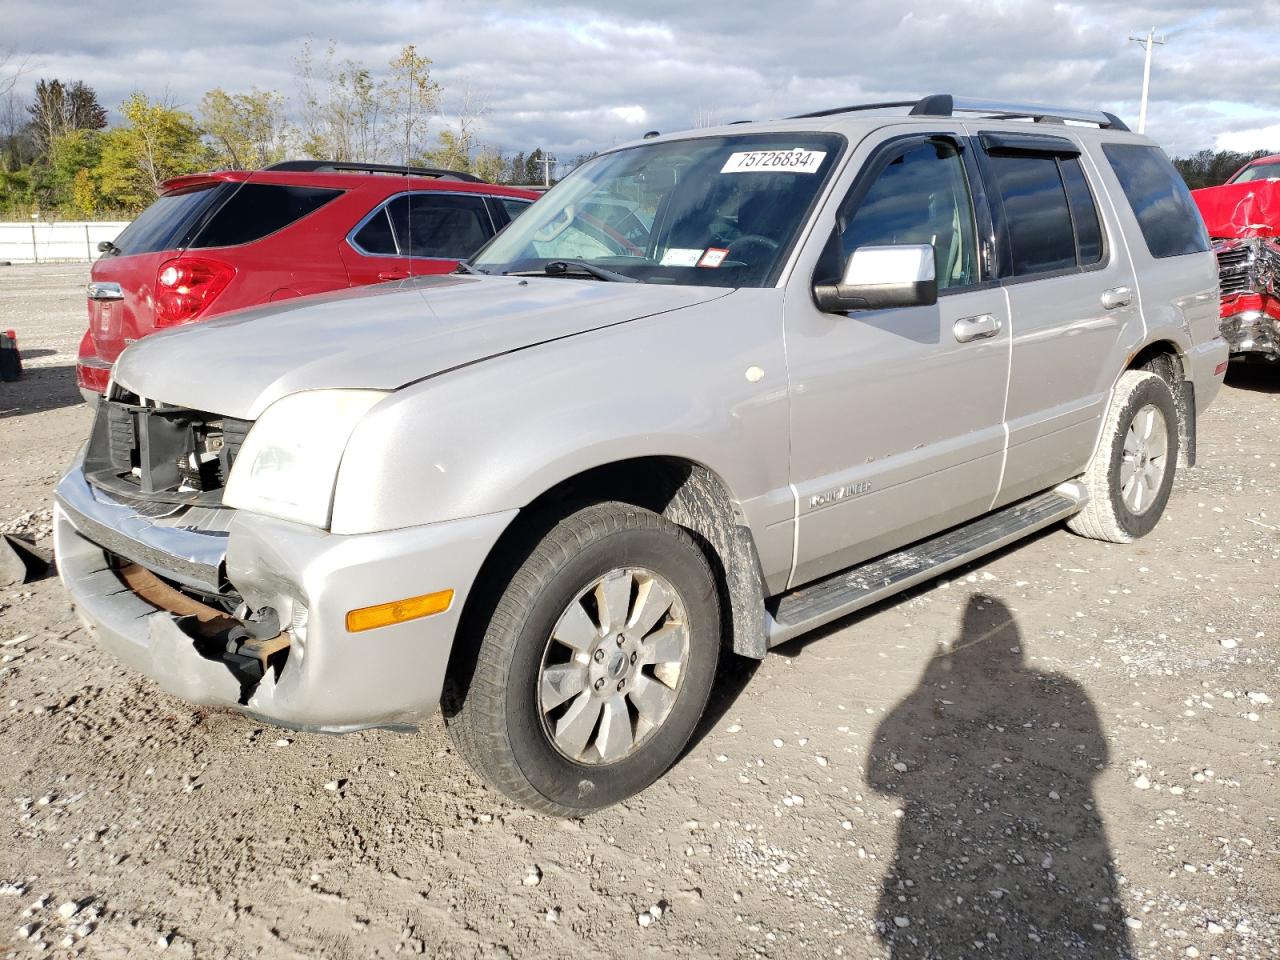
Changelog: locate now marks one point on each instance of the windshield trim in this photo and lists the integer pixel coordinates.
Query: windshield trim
(774, 279)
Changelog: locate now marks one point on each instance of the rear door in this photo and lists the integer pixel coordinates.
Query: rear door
(1072, 300)
(415, 233)
(122, 282)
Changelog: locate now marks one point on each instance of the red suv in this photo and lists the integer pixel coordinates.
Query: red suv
(215, 242)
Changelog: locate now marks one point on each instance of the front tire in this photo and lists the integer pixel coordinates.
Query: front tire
(1131, 474)
(596, 663)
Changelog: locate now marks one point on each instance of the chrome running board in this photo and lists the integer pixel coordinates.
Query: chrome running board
(833, 597)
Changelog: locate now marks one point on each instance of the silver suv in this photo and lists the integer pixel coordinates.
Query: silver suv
(713, 390)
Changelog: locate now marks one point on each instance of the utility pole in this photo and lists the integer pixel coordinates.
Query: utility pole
(1148, 41)
(547, 164)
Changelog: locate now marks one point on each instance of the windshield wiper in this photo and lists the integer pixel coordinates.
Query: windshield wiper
(564, 268)
(464, 267)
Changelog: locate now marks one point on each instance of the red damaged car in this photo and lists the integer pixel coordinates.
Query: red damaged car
(214, 242)
(1243, 217)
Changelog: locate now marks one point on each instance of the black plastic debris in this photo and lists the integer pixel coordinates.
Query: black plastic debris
(10, 358)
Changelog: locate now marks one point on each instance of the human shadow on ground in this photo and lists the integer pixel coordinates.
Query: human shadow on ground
(1001, 851)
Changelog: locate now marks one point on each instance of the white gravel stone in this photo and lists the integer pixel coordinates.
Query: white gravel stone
(900, 767)
(1142, 783)
(1257, 696)
(1133, 923)
(532, 878)
(68, 910)
(901, 922)
(645, 919)
(553, 914)
(1228, 643)
(1215, 928)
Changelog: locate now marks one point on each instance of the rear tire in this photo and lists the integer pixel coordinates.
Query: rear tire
(572, 706)
(1131, 474)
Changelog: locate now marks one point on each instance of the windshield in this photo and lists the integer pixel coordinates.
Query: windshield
(715, 211)
(1259, 171)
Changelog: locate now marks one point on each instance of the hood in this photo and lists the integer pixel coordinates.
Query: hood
(379, 337)
(1234, 210)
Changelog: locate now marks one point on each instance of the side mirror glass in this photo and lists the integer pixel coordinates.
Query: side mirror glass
(876, 278)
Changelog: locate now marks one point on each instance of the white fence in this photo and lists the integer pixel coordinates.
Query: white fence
(37, 241)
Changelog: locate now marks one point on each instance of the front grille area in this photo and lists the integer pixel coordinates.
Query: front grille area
(161, 454)
(1250, 265)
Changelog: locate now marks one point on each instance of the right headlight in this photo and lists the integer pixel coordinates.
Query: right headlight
(289, 462)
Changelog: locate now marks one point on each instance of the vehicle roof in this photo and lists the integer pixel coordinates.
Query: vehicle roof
(381, 183)
(1261, 161)
(857, 124)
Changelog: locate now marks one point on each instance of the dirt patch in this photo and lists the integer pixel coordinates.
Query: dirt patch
(1070, 734)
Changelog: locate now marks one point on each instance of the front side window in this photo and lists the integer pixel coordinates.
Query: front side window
(709, 211)
(922, 196)
(1166, 214)
(514, 207)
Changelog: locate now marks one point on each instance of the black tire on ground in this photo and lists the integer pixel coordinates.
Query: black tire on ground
(496, 722)
(1107, 515)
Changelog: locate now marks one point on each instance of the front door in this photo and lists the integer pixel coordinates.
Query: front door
(897, 415)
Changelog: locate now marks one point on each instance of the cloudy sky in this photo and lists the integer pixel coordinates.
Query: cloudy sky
(573, 77)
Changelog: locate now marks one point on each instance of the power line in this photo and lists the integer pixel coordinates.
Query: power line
(1149, 41)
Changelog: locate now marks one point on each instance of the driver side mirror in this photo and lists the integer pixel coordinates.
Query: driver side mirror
(876, 278)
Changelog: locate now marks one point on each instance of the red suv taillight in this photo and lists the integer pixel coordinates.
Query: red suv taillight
(186, 286)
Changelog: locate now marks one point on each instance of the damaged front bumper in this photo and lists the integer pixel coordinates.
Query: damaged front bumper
(124, 570)
(1249, 273)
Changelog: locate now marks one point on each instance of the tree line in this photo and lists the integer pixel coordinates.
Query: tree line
(59, 156)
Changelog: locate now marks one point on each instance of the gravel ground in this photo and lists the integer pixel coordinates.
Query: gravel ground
(1066, 751)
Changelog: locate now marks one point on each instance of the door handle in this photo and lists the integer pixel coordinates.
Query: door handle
(393, 275)
(1117, 297)
(975, 328)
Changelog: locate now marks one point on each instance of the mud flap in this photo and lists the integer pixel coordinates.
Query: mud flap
(1184, 396)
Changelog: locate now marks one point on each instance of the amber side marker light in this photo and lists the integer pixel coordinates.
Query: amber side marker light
(399, 611)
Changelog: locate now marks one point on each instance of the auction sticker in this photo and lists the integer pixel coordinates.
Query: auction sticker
(798, 160)
(713, 257)
(680, 257)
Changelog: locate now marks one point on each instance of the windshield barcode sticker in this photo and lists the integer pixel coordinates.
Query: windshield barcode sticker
(798, 160)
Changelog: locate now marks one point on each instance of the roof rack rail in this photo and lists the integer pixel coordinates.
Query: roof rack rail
(345, 166)
(946, 105)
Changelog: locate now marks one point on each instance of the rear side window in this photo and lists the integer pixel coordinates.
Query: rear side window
(1084, 212)
(1041, 238)
(376, 236)
(439, 226)
(166, 224)
(258, 209)
(1166, 214)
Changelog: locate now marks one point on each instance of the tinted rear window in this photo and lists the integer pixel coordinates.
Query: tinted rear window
(1084, 212)
(166, 224)
(1166, 214)
(258, 209)
(1036, 210)
(440, 226)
